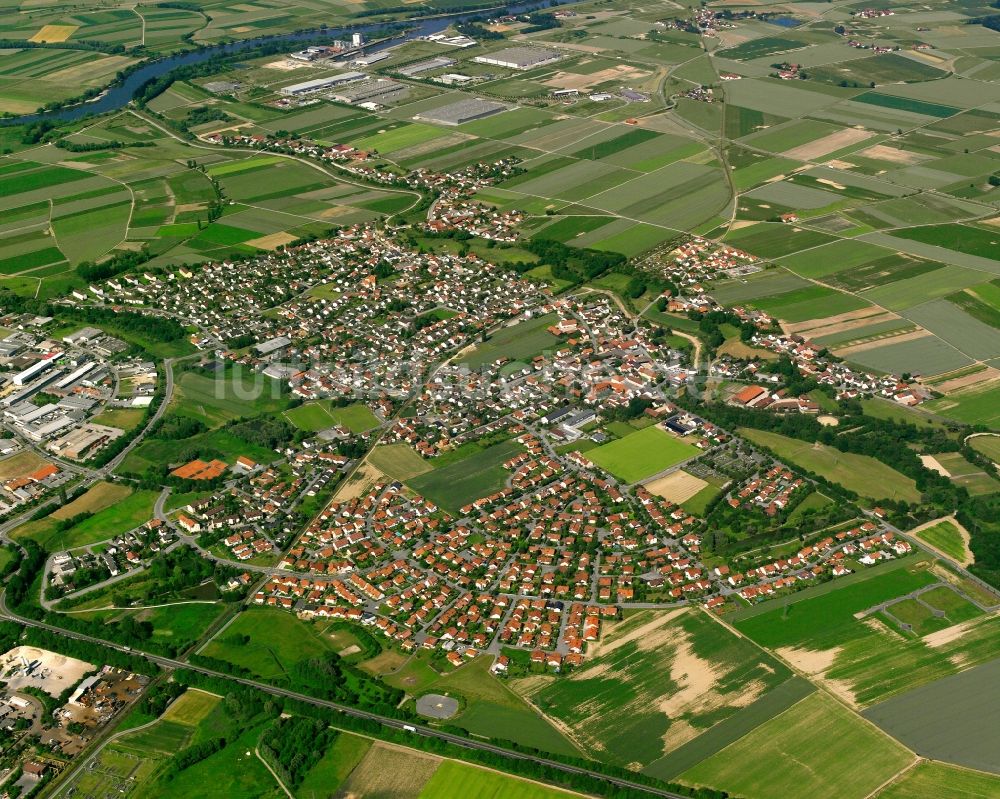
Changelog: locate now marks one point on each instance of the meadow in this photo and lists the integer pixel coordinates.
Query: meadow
(521, 341)
(641, 454)
(456, 484)
(275, 642)
(859, 473)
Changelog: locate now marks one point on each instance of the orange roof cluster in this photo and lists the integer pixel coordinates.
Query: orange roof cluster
(199, 470)
(41, 473)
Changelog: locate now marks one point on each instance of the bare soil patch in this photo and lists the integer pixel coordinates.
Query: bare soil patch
(828, 144)
(826, 325)
(987, 375)
(677, 487)
(882, 152)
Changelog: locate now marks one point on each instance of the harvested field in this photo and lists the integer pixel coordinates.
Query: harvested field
(677, 487)
(828, 144)
(390, 771)
(363, 479)
(930, 462)
(814, 328)
(54, 33)
(913, 335)
(271, 241)
(882, 152)
(572, 80)
(987, 375)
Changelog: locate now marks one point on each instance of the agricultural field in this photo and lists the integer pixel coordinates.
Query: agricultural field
(943, 781)
(838, 635)
(655, 682)
(948, 539)
(961, 704)
(642, 454)
(815, 742)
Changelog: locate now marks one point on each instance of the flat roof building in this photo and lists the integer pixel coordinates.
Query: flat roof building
(425, 66)
(462, 111)
(520, 58)
(319, 84)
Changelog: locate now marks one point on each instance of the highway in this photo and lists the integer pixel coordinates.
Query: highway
(386, 721)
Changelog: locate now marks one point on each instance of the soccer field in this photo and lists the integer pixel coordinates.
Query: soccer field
(642, 454)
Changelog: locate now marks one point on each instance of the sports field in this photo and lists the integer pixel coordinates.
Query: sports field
(809, 750)
(642, 454)
(320, 415)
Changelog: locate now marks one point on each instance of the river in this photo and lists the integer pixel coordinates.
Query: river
(120, 95)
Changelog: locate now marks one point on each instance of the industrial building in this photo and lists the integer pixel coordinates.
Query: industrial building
(425, 66)
(462, 111)
(520, 58)
(319, 84)
(371, 58)
(36, 369)
(380, 90)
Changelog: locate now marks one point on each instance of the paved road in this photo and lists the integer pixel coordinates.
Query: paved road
(416, 729)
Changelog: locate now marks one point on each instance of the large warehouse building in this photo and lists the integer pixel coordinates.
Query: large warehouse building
(520, 58)
(462, 111)
(322, 83)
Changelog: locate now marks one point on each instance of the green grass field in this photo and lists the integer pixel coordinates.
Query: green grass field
(278, 641)
(334, 767)
(398, 461)
(942, 781)
(128, 512)
(523, 340)
(808, 750)
(642, 454)
(453, 779)
(319, 415)
(859, 473)
(974, 406)
(191, 707)
(988, 446)
(462, 481)
(946, 538)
